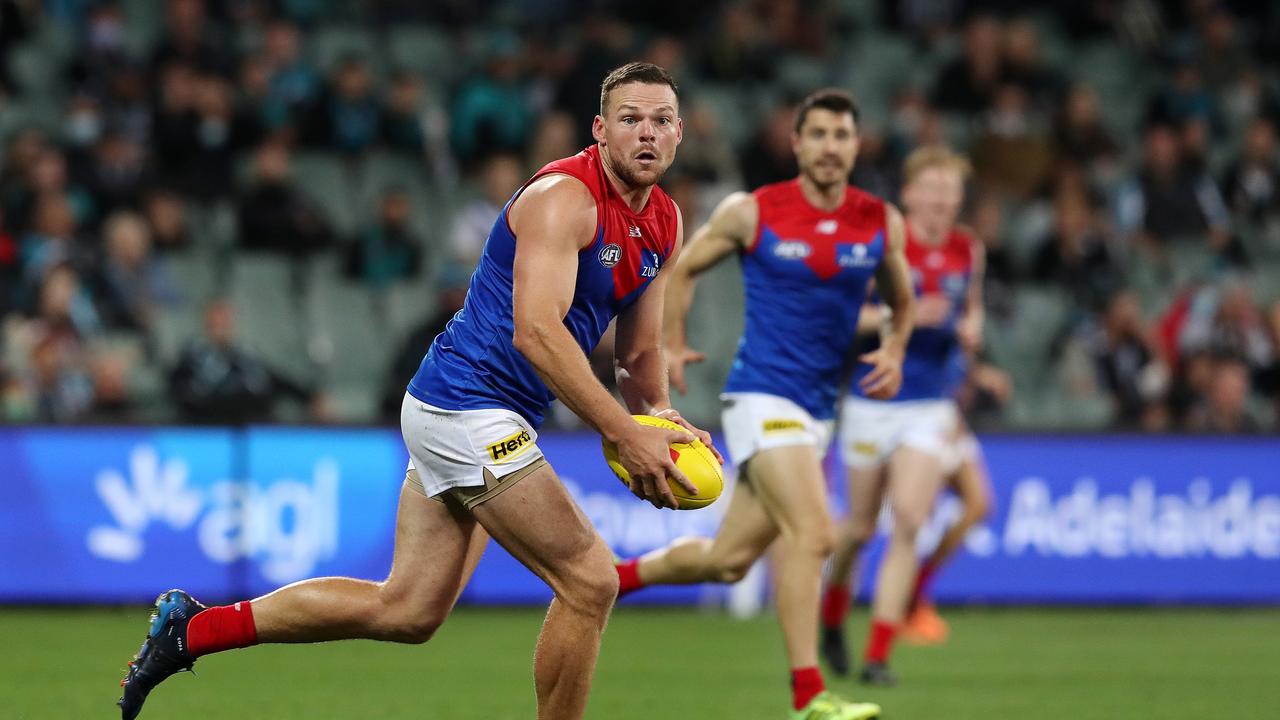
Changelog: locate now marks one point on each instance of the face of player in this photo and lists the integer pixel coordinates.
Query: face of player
(933, 199)
(825, 147)
(640, 134)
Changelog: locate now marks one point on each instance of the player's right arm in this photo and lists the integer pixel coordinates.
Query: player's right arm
(553, 219)
(893, 283)
(729, 230)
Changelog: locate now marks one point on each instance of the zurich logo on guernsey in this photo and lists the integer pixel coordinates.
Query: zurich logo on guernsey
(610, 255)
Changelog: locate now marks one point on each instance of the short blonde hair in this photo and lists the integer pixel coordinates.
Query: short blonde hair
(929, 156)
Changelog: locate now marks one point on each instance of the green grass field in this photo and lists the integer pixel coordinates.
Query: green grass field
(1042, 664)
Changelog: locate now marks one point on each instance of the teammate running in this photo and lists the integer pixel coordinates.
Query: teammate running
(808, 248)
(970, 484)
(905, 447)
(583, 241)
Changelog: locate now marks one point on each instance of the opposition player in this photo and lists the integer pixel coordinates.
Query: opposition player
(902, 448)
(808, 248)
(585, 240)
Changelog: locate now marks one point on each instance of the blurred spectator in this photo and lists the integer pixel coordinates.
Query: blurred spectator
(739, 50)
(10, 270)
(50, 241)
(349, 118)
(274, 214)
(1222, 56)
(61, 389)
(606, 43)
(491, 112)
(116, 173)
(103, 48)
(402, 119)
(968, 85)
(555, 138)
(1223, 319)
(452, 291)
(167, 218)
(1166, 201)
(188, 39)
(768, 158)
(876, 171)
(63, 306)
(1185, 98)
(1011, 153)
(47, 176)
(294, 85)
(1079, 133)
(1224, 408)
(1128, 366)
(499, 177)
(82, 125)
(20, 153)
(1252, 183)
(999, 270)
(387, 251)
(127, 107)
(1021, 65)
(1075, 255)
(130, 283)
(705, 153)
(215, 382)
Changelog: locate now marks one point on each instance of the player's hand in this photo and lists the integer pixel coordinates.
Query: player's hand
(885, 378)
(675, 417)
(679, 355)
(969, 333)
(932, 310)
(645, 452)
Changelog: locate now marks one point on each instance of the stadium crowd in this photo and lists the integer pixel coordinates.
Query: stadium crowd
(1126, 185)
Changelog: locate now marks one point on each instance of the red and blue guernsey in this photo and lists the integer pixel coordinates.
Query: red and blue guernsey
(933, 367)
(472, 365)
(806, 275)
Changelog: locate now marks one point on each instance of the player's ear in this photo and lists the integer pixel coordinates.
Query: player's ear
(679, 129)
(597, 129)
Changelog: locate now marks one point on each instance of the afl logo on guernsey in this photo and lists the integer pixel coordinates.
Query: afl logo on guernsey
(792, 250)
(610, 255)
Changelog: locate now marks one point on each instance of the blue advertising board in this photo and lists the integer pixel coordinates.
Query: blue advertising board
(117, 515)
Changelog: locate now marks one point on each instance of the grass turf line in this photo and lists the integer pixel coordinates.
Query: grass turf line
(1042, 664)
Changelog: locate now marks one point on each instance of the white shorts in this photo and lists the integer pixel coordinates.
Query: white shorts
(453, 448)
(757, 421)
(870, 430)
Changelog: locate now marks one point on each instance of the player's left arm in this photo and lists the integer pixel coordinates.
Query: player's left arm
(893, 282)
(970, 326)
(639, 363)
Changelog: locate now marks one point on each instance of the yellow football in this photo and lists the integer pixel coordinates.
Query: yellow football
(694, 459)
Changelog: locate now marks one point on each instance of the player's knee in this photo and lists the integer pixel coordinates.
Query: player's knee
(854, 532)
(591, 588)
(908, 521)
(817, 538)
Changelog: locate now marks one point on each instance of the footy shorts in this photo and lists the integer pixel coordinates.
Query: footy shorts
(870, 430)
(471, 449)
(757, 421)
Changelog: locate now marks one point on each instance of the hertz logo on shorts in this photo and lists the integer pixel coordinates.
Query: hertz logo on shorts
(773, 426)
(509, 447)
(866, 448)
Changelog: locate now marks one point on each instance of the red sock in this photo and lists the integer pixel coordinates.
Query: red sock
(221, 628)
(923, 579)
(628, 576)
(879, 641)
(835, 605)
(805, 684)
